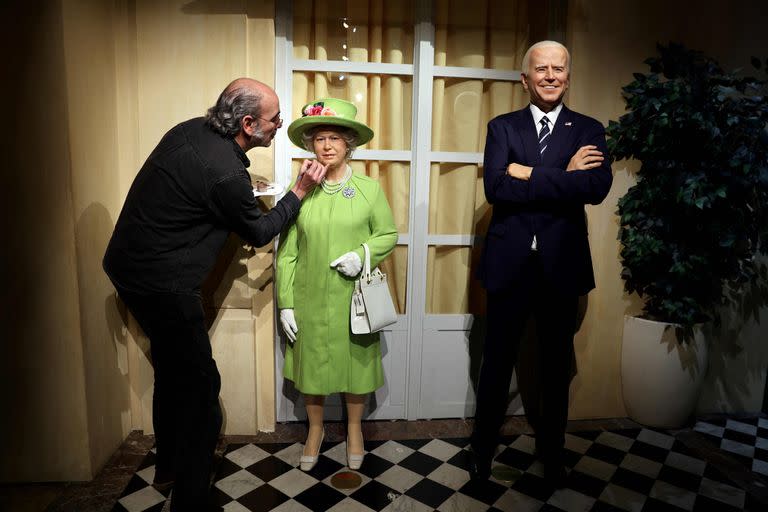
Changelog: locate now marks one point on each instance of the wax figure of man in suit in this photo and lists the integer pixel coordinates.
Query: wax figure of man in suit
(536, 259)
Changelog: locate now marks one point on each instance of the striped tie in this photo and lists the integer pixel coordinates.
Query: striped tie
(543, 134)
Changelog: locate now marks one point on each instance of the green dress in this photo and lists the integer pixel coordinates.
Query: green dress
(326, 357)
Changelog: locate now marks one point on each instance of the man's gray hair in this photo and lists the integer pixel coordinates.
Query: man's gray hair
(348, 134)
(542, 44)
(232, 106)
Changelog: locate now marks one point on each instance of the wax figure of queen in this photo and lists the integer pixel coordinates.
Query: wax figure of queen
(317, 261)
(542, 164)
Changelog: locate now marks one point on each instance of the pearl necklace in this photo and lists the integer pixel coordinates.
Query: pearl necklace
(332, 188)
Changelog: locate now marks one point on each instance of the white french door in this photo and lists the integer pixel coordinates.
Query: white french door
(430, 355)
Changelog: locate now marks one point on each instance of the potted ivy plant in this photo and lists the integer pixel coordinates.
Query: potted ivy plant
(693, 228)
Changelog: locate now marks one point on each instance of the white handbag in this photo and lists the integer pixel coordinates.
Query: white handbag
(372, 308)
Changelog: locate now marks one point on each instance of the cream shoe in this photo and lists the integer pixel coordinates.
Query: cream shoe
(354, 461)
(307, 462)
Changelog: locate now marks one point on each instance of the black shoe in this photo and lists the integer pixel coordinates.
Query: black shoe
(555, 475)
(479, 466)
(164, 479)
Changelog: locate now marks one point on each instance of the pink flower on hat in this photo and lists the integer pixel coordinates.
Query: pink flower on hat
(317, 109)
(313, 110)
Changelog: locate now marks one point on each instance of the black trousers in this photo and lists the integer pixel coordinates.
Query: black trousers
(185, 408)
(508, 313)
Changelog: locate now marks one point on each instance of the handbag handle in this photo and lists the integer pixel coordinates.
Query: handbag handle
(367, 263)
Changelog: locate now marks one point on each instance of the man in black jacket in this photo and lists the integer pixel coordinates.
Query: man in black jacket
(192, 191)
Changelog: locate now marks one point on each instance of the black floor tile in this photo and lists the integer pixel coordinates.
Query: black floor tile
(585, 484)
(649, 451)
(319, 497)
(606, 453)
(263, 499)
(485, 491)
(680, 478)
(430, 493)
(654, 505)
(461, 460)
(706, 504)
(633, 481)
(373, 465)
(533, 486)
(421, 463)
(269, 468)
(374, 495)
(516, 459)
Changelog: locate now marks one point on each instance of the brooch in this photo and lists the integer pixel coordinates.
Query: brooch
(348, 192)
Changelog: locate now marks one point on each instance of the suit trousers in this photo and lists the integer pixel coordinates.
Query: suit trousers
(186, 414)
(509, 310)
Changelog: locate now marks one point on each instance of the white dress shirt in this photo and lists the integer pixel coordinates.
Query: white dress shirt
(538, 115)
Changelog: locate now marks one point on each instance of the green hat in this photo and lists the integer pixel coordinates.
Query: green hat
(332, 112)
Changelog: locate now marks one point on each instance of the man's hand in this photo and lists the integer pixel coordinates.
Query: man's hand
(348, 264)
(311, 174)
(586, 157)
(288, 322)
(521, 172)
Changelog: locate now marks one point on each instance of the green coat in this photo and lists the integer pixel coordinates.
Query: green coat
(327, 357)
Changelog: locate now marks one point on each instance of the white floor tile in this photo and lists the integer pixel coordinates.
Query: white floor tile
(238, 484)
(393, 451)
(577, 444)
(514, 501)
(686, 463)
(247, 455)
(656, 438)
(571, 501)
(708, 428)
(450, 476)
(141, 499)
(462, 503)
(732, 446)
(641, 465)
(673, 495)
(293, 482)
(614, 440)
(722, 492)
(440, 450)
(760, 466)
(525, 444)
(744, 428)
(595, 467)
(623, 498)
(399, 478)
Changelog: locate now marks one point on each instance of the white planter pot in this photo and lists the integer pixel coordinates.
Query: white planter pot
(661, 377)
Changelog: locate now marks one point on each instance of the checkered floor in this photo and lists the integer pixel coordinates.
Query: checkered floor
(636, 470)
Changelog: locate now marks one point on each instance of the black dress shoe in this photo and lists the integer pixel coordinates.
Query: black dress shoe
(555, 475)
(164, 479)
(479, 466)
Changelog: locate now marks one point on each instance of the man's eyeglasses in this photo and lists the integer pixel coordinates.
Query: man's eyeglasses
(275, 120)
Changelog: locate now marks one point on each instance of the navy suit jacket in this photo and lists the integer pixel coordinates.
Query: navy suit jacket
(549, 205)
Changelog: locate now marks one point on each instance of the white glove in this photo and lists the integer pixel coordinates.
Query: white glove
(348, 264)
(288, 322)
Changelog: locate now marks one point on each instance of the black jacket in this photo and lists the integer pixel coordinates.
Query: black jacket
(550, 205)
(191, 192)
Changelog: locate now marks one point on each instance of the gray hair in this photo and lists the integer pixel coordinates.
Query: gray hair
(542, 44)
(348, 134)
(232, 106)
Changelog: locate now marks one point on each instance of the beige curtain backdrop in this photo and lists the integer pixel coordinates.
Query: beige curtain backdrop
(483, 34)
